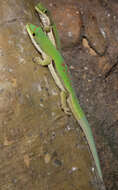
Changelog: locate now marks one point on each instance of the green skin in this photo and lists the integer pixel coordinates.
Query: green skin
(68, 96)
(48, 24)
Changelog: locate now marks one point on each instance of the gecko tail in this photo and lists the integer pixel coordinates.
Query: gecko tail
(83, 122)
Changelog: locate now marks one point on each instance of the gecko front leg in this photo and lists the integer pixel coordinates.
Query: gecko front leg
(44, 62)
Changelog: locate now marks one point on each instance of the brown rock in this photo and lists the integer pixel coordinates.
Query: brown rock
(69, 24)
(93, 34)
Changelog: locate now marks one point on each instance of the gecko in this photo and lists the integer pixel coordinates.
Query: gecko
(61, 75)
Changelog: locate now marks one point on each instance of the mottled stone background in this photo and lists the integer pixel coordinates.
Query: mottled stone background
(40, 146)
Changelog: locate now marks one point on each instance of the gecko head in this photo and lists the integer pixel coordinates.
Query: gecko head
(40, 8)
(33, 30)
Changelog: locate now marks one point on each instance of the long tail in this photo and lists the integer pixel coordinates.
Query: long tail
(81, 118)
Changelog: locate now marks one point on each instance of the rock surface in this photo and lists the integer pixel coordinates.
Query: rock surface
(40, 145)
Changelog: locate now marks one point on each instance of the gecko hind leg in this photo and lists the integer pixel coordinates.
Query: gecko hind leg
(64, 105)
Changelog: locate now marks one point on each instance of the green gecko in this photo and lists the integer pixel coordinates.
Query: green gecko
(68, 95)
(48, 25)
(50, 29)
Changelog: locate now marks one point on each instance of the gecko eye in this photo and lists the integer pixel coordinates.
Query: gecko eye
(45, 11)
(33, 34)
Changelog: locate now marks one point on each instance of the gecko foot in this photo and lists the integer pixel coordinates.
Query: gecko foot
(66, 110)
